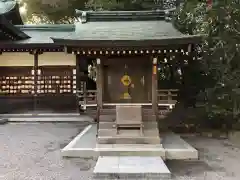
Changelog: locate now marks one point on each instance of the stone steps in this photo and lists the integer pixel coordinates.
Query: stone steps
(128, 140)
(146, 112)
(111, 118)
(109, 125)
(107, 118)
(131, 146)
(108, 111)
(152, 132)
(131, 150)
(108, 134)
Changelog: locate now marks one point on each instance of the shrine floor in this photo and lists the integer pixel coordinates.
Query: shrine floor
(33, 151)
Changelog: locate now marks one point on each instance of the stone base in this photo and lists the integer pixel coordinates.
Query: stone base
(147, 150)
(107, 134)
(85, 145)
(176, 148)
(108, 167)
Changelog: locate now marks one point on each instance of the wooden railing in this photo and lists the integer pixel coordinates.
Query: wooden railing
(168, 96)
(164, 96)
(88, 97)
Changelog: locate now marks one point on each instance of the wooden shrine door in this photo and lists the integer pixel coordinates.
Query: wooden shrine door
(127, 82)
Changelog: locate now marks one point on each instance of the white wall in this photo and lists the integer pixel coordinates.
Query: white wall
(16, 59)
(56, 59)
(45, 59)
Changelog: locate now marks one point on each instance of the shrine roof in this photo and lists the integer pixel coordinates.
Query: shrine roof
(8, 32)
(124, 30)
(106, 28)
(9, 16)
(125, 26)
(40, 34)
(43, 33)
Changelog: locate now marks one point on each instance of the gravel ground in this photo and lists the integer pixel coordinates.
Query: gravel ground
(32, 152)
(218, 160)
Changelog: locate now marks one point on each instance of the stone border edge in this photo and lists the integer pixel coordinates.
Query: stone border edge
(74, 141)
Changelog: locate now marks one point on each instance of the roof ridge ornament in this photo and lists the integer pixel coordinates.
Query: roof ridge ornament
(167, 16)
(83, 15)
(158, 14)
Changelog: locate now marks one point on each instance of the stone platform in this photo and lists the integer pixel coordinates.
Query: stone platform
(85, 145)
(131, 161)
(131, 167)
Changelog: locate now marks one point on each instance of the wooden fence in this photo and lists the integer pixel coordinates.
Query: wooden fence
(164, 96)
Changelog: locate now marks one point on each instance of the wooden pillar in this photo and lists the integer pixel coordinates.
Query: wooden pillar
(77, 82)
(154, 86)
(35, 70)
(99, 83)
(99, 89)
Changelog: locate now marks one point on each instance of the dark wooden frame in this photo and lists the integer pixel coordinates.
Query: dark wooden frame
(35, 100)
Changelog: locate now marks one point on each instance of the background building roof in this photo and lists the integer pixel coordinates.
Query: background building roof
(6, 6)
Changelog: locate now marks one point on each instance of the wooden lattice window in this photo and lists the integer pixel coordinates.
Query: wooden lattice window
(16, 81)
(56, 80)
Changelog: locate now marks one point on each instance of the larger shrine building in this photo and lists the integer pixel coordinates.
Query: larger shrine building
(41, 65)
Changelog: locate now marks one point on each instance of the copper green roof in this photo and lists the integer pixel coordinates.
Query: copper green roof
(124, 30)
(125, 26)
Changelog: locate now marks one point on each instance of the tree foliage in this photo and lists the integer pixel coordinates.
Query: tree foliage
(220, 55)
(59, 11)
(53, 11)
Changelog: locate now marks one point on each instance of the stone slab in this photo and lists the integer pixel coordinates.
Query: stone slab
(177, 148)
(131, 167)
(129, 133)
(146, 150)
(128, 140)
